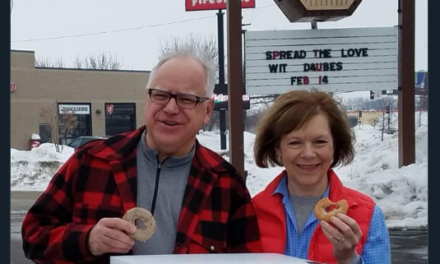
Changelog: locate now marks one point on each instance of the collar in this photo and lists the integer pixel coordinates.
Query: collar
(152, 155)
(282, 188)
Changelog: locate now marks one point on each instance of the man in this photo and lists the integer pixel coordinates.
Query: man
(199, 201)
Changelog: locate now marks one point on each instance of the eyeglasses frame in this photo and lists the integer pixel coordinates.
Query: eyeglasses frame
(199, 99)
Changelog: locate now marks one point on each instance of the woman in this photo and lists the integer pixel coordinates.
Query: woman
(308, 133)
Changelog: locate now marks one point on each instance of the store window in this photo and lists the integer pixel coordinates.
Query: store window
(83, 124)
(119, 118)
(45, 133)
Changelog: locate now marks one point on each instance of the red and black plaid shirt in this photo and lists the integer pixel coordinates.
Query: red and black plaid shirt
(99, 180)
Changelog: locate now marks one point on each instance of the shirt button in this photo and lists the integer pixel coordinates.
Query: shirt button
(212, 248)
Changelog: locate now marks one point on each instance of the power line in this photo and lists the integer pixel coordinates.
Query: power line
(111, 31)
(121, 30)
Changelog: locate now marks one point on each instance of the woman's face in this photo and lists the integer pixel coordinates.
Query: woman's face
(307, 154)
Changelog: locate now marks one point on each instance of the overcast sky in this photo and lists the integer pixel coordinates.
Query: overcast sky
(133, 30)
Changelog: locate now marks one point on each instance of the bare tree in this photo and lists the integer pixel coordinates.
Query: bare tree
(356, 103)
(60, 125)
(67, 122)
(78, 63)
(208, 44)
(386, 105)
(373, 120)
(48, 63)
(102, 61)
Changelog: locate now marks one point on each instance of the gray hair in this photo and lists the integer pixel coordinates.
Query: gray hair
(203, 56)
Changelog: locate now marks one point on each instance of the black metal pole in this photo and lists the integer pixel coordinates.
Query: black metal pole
(221, 49)
(221, 76)
(244, 79)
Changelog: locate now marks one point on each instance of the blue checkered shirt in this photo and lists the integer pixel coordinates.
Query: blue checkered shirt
(376, 249)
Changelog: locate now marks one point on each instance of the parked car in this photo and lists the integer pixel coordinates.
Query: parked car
(79, 141)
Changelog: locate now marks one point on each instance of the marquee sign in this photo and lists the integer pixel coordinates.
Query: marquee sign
(195, 5)
(221, 102)
(333, 60)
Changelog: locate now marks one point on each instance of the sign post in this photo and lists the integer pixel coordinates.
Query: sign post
(221, 87)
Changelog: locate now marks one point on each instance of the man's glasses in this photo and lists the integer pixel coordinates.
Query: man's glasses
(187, 101)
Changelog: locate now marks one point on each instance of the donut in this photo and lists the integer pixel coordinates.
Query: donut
(149, 224)
(321, 206)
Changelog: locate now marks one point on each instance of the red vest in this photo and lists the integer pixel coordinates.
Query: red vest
(272, 220)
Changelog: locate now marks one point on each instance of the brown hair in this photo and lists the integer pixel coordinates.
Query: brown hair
(290, 112)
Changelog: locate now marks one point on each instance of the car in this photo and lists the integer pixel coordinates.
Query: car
(79, 141)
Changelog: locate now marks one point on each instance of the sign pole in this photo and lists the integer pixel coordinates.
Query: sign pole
(235, 86)
(406, 90)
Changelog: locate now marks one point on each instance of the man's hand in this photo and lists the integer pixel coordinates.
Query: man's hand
(109, 235)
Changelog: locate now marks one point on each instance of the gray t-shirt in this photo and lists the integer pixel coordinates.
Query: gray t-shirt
(168, 179)
(302, 207)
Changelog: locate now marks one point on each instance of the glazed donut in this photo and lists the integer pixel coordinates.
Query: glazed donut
(321, 206)
(146, 217)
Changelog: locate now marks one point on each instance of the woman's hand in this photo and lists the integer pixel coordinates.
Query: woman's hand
(344, 236)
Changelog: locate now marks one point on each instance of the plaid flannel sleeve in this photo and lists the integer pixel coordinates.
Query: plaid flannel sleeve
(48, 232)
(243, 232)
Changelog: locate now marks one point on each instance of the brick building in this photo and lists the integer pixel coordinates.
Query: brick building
(106, 102)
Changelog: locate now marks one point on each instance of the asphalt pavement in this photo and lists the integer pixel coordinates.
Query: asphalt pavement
(20, 203)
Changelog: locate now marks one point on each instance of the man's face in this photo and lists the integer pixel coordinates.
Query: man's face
(171, 129)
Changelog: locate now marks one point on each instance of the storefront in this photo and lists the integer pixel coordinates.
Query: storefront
(104, 102)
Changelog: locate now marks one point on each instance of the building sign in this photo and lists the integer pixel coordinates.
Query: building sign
(13, 87)
(120, 108)
(221, 102)
(224, 98)
(333, 60)
(79, 109)
(195, 5)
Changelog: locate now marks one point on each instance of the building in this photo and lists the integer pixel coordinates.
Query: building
(106, 102)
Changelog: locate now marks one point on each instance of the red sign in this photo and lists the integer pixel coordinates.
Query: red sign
(13, 87)
(110, 109)
(194, 5)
